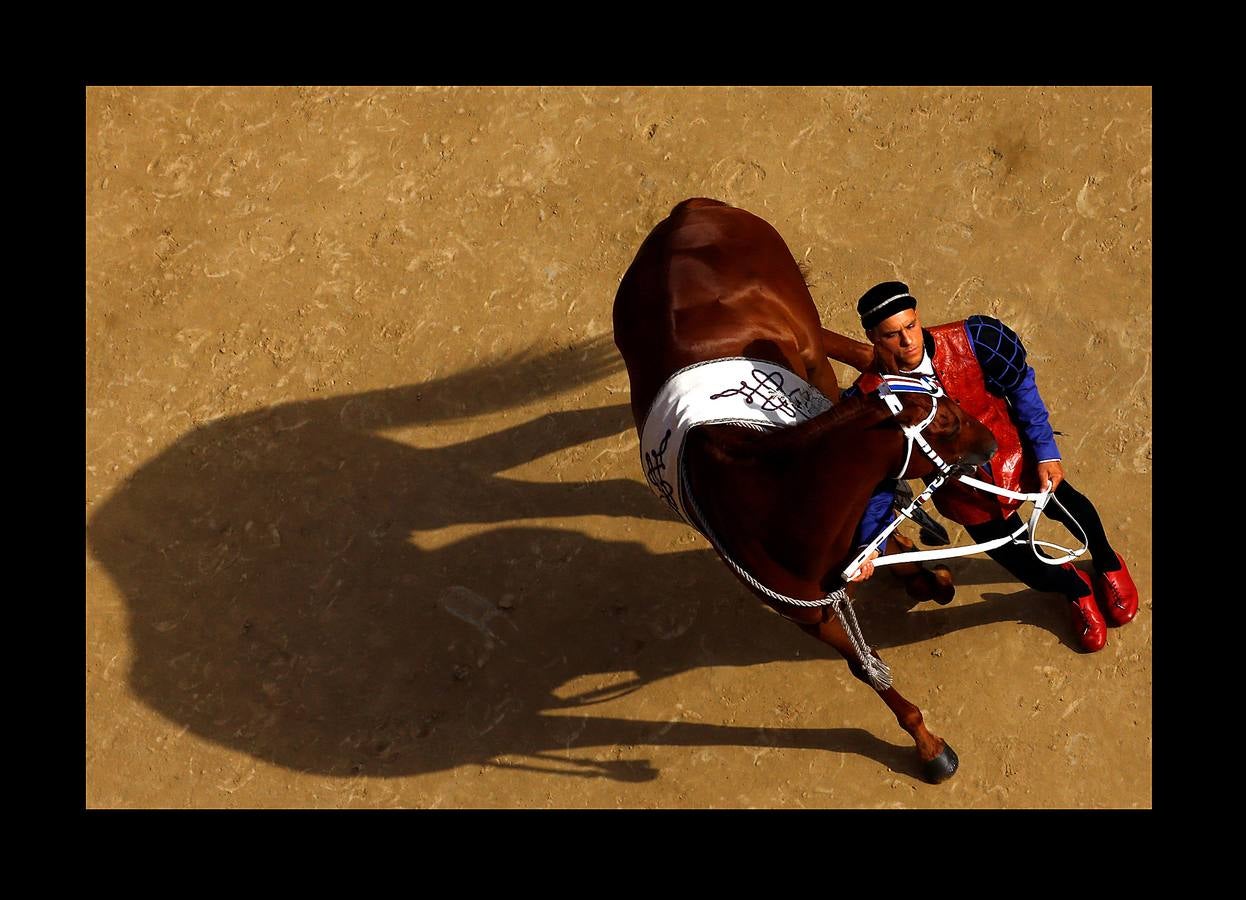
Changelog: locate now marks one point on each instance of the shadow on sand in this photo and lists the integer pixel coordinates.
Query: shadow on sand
(279, 605)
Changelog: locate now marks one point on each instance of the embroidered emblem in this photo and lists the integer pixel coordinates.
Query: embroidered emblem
(767, 396)
(769, 387)
(655, 465)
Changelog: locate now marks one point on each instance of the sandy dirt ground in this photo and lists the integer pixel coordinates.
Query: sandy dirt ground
(365, 523)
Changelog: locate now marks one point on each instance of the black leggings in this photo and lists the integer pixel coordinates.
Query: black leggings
(1019, 559)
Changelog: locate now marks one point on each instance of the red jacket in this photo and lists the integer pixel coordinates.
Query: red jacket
(1013, 466)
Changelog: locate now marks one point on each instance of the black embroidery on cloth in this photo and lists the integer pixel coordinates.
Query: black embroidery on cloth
(770, 387)
(655, 465)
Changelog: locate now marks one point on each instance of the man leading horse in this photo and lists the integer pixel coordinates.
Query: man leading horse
(982, 364)
(744, 434)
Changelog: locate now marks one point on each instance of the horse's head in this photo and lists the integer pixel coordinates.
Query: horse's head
(950, 439)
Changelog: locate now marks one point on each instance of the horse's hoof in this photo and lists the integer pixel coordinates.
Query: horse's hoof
(943, 766)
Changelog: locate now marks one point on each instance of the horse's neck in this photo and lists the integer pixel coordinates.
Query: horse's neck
(829, 480)
(798, 491)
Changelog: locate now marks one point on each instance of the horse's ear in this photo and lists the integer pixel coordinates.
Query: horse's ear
(917, 407)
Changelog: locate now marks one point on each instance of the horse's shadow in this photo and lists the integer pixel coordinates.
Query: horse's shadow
(292, 593)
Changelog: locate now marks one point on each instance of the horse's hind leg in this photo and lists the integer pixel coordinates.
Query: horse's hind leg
(939, 761)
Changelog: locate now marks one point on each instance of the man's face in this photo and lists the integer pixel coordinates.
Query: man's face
(899, 338)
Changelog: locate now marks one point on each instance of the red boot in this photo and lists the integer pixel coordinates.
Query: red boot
(1092, 631)
(1116, 593)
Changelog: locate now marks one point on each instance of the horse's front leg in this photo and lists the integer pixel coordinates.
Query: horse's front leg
(939, 761)
(919, 582)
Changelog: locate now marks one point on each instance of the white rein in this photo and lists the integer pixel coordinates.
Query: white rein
(913, 433)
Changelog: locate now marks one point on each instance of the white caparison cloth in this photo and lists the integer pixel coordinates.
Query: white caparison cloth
(735, 390)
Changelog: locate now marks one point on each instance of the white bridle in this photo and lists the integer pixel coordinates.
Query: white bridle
(913, 434)
(902, 384)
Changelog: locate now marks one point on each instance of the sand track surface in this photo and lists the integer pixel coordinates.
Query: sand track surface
(366, 525)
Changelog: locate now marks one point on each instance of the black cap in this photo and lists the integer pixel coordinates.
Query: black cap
(883, 301)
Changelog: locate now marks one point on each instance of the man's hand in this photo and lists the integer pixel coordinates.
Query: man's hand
(866, 570)
(1050, 471)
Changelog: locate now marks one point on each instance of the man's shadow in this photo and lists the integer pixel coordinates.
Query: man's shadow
(892, 619)
(286, 599)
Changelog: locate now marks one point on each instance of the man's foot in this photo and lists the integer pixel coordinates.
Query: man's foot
(1092, 631)
(1117, 594)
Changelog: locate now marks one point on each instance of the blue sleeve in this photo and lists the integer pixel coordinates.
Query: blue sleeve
(878, 514)
(1001, 355)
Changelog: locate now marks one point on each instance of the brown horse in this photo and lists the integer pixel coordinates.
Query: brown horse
(781, 505)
